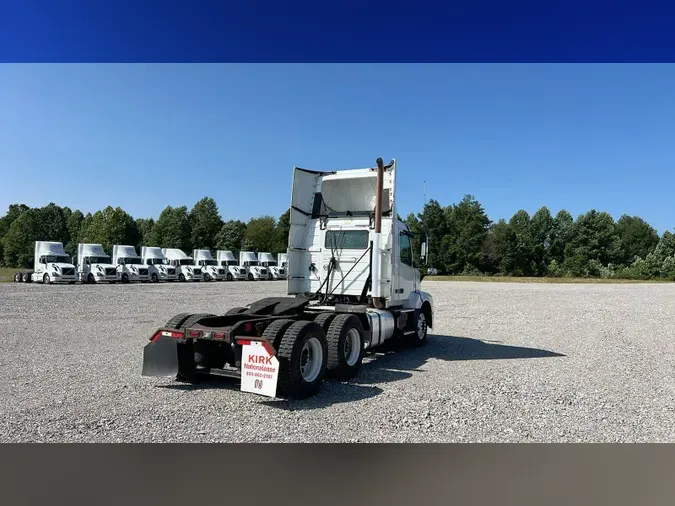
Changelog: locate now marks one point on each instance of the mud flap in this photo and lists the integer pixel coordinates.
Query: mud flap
(160, 358)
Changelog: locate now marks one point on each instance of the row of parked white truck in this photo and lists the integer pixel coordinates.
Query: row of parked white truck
(52, 264)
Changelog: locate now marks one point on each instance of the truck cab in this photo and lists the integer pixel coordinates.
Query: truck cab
(249, 261)
(228, 261)
(94, 264)
(209, 266)
(129, 264)
(274, 270)
(184, 265)
(157, 264)
(51, 264)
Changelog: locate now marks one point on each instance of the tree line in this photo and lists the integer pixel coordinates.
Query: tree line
(462, 238)
(175, 227)
(464, 241)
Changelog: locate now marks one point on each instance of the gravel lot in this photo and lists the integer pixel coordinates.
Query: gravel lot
(505, 362)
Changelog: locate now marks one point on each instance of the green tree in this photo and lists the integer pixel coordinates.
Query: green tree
(638, 238)
(74, 223)
(231, 235)
(497, 250)
(172, 229)
(205, 223)
(112, 226)
(20, 239)
(522, 246)
(541, 227)
(283, 228)
(145, 226)
(467, 227)
(433, 222)
(561, 233)
(259, 235)
(594, 242)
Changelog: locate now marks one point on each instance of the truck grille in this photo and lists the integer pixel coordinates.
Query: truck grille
(143, 272)
(68, 271)
(197, 272)
(263, 271)
(171, 271)
(221, 271)
(110, 271)
(281, 271)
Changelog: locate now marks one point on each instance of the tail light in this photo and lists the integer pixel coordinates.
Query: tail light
(195, 333)
(166, 333)
(249, 327)
(219, 335)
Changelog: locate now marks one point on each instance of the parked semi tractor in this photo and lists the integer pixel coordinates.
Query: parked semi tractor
(94, 264)
(282, 260)
(352, 286)
(227, 261)
(51, 264)
(129, 264)
(274, 271)
(157, 264)
(185, 265)
(209, 266)
(249, 261)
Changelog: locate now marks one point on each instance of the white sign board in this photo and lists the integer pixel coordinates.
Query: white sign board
(259, 370)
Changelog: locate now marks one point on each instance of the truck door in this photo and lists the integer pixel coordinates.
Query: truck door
(405, 281)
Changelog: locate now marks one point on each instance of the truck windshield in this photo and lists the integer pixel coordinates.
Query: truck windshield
(99, 260)
(228, 262)
(185, 261)
(132, 261)
(157, 261)
(209, 262)
(347, 239)
(57, 259)
(251, 263)
(271, 264)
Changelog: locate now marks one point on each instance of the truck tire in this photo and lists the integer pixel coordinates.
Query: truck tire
(90, 279)
(207, 276)
(27, 277)
(45, 279)
(155, 278)
(18, 277)
(275, 331)
(176, 321)
(302, 356)
(419, 338)
(250, 276)
(125, 278)
(181, 277)
(325, 319)
(345, 346)
(229, 276)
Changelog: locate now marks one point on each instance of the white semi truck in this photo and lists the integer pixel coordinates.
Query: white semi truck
(209, 266)
(51, 264)
(352, 286)
(227, 261)
(185, 265)
(274, 271)
(129, 264)
(157, 264)
(282, 260)
(249, 261)
(94, 264)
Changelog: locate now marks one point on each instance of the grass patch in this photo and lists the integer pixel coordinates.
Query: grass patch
(514, 279)
(7, 274)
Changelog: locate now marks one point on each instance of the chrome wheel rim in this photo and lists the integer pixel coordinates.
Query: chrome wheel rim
(311, 359)
(421, 326)
(352, 346)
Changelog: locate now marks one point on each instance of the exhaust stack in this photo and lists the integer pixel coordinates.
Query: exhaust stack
(378, 300)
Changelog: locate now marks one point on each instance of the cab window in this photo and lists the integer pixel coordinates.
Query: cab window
(405, 251)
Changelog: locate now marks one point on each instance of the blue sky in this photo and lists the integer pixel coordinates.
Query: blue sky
(515, 136)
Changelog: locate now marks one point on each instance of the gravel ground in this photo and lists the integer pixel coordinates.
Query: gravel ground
(504, 363)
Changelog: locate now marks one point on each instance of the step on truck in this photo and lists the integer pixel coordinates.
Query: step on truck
(274, 271)
(249, 261)
(157, 264)
(129, 265)
(94, 264)
(228, 261)
(51, 264)
(184, 265)
(352, 286)
(209, 266)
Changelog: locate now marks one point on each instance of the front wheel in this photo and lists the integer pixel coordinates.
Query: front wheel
(181, 277)
(154, 277)
(229, 276)
(250, 276)
(45, 279)
(302, 360)
(125, 278)
(419, 338)
(207, 276)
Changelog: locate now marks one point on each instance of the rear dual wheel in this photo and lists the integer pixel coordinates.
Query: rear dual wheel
(346, 346)
(303, 356)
